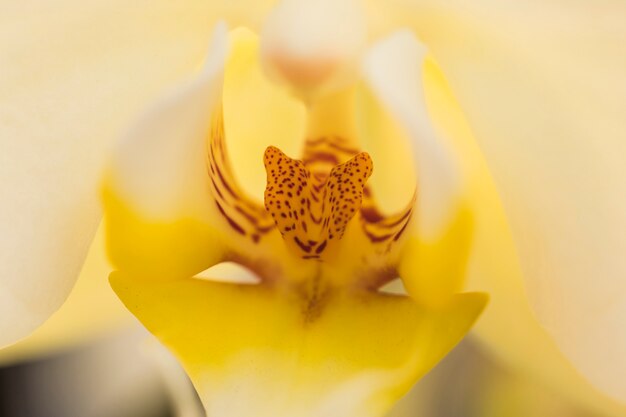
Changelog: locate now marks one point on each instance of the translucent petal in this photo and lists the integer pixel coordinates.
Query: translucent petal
(70, 325)
(251, 349)
(543, 88)
(508, 326)
(73, 75)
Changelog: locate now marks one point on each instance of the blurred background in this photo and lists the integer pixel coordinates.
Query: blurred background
(122, 375)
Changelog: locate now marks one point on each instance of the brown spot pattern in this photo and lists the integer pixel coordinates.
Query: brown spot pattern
(310, 210)
(321, 155)
(310, 201)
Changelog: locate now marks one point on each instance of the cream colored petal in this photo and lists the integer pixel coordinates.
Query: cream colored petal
(70, 325)
(160, 166)
(508, 325)
(544, 88)
(73, 75)
(393, 69)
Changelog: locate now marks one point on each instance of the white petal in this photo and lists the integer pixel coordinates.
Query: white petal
(160, 166)
(69, 326)
(544, 89)
(393, 69)
(72, 76)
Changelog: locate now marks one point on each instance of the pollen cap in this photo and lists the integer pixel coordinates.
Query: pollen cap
(314, 46)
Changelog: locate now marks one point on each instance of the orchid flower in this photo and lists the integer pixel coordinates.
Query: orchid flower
(315, 326)
(539, 89)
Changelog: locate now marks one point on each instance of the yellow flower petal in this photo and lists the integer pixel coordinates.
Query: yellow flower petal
(434, 270)
(544, 90)
(336, 348)
(73, 74)
(433, 264)
(173, 201)
(255, 348)
(157, 187)
(393, 69)
(394, 178)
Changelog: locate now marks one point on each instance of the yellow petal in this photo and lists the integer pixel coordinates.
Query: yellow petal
(544, 91)
(508, 326)
(433, 263)
(434, 270)
(157, 187)
(173, 201)
(254, 350)
(394, 178)
(393, 71)
(73, 74)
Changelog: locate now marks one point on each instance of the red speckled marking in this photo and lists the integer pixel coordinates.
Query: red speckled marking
(312, 211)
(321, 155)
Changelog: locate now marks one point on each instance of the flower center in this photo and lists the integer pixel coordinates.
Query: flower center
(312, 209)
(311, 203)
